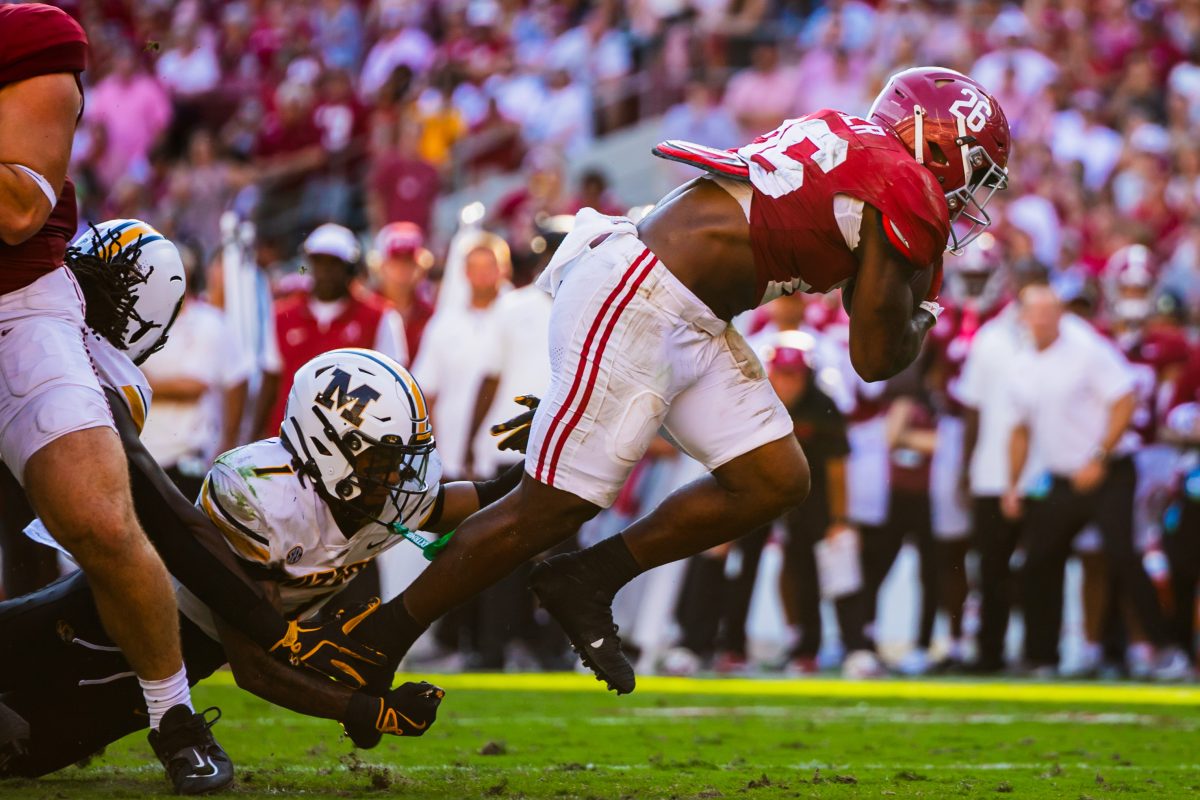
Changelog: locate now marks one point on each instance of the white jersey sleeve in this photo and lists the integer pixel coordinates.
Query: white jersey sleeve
(228, 501)
(283, 528)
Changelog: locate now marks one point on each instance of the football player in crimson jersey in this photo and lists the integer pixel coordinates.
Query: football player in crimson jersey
(640, 339)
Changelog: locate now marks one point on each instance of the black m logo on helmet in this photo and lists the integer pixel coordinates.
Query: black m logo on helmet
(339, 396)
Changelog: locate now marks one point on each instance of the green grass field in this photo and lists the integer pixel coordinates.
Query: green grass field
(560, 736)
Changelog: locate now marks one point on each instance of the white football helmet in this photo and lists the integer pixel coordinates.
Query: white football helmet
(358, 424)
(133, 284)
(1129, 279)
(977, 275)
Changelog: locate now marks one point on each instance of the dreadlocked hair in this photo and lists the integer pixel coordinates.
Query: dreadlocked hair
(108, 274)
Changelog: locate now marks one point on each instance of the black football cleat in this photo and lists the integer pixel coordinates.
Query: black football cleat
(585, 614)
(184, 743)
(14, 736)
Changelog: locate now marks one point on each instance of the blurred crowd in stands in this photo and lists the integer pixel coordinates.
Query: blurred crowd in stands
(336, 126)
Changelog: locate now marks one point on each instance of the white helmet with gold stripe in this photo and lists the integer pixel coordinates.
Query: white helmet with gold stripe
(133, 281)
(357, 423)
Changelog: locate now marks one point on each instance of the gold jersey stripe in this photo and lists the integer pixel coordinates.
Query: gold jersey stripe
(137, 408)
(245, 548)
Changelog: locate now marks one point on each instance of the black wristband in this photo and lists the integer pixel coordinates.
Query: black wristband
(491, 491)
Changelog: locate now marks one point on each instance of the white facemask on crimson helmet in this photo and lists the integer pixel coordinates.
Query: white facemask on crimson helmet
(133, 281)
(358, 424)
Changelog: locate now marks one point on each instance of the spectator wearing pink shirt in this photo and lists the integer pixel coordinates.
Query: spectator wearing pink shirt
(831, 78)
(190, 66)
(762, 96)
(134, 110)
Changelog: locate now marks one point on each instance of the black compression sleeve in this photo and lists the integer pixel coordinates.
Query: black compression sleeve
(190, 546)
(491, 491)
(435, 516)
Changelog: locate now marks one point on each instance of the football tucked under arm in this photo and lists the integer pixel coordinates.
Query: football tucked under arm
(888, 317)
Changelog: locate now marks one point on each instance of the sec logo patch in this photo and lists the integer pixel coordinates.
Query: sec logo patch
(294, 554)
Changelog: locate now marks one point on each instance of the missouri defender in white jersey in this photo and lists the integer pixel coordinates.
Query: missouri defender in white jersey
(355, 470)
(274, 518)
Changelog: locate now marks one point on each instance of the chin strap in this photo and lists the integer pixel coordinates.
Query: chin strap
(429, 547)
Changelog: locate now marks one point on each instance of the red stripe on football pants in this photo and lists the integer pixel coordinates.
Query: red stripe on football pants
(587, 344)
(595, 371)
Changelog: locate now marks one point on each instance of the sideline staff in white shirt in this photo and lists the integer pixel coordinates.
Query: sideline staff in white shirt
(988, 420)
(1073, 395)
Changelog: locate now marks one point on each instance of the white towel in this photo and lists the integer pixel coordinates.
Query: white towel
(589, 223)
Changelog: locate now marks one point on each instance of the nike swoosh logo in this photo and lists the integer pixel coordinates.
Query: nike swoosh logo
(598, 642)
(422, 726)
(374, 545)
(203, 761)
(388, 722)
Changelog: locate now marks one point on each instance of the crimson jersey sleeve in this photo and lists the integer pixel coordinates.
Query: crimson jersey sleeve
(37, 39)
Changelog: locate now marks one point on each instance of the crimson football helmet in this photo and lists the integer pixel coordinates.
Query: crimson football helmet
(958, 131)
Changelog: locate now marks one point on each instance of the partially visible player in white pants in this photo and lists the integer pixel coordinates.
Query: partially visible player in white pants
(58, 439)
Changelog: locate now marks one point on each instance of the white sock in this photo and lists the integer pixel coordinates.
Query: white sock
(161, 695)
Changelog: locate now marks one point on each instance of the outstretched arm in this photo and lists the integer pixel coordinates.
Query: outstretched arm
(196, 554)
(461, 499)
(887, 321)
(407, 710)
(190, 546)
(274, 681)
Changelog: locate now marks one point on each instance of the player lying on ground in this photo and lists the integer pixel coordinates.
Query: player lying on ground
(132, 280)
(640, 340)
(354, 471)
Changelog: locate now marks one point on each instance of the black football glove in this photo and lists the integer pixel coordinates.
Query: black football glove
(517, 428)
(324, 644)
(407, 710)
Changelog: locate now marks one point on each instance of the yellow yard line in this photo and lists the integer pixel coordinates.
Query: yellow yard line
(827, 688)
